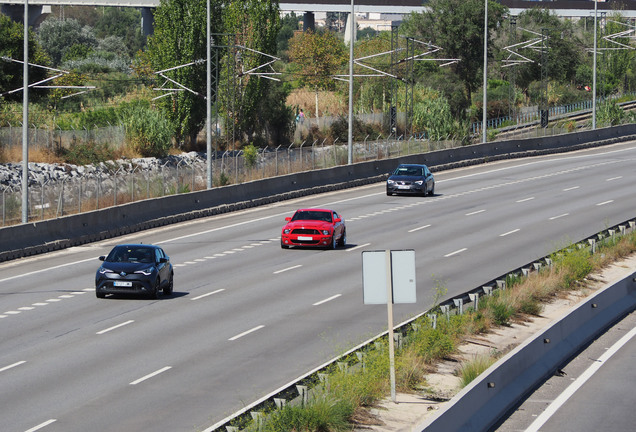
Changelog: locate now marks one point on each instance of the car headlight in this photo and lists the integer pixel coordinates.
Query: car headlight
(325, 232)
(145, 272)
(390, 182)
(103, 270)
(419, 182)
(286, 231)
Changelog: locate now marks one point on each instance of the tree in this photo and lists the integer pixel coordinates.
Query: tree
(564, 48)
(255, 24)
(432, 114)
(58, 36)
(147, 131)
(252, 24)
(616, 61)
(12, 47)
(172, 46)
(457, 26)
(123, 23)
(289, 24)
(318, 56)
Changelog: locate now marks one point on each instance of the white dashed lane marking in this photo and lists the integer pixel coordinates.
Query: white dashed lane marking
(36, 305)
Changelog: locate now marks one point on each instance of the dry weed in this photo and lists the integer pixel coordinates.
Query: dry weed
(329, 103)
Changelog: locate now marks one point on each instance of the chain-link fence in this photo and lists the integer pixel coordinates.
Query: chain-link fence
(11, 136)
(94, 188)
(91, 188)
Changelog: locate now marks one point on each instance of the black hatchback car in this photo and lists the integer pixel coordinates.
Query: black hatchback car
(135, 269)
(411, 179)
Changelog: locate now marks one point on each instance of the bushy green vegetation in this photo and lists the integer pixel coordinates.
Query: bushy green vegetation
(351, 385)
(148, 133)
(472, 369)
(104, 48)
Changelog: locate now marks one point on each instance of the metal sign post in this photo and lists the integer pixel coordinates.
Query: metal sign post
(389, 277)
(389, 306)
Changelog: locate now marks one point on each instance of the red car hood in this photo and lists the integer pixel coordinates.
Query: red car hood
(314, 224)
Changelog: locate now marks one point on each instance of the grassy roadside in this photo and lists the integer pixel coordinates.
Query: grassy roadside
(344, 392)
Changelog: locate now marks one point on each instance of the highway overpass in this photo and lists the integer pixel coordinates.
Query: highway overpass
(563, 8)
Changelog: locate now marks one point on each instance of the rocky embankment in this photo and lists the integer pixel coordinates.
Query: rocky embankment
(44, 173)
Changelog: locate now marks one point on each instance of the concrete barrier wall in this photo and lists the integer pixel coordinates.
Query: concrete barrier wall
(39, 237)
(495, 392)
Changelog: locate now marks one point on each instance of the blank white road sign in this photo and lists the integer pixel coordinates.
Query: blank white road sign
(374, 273)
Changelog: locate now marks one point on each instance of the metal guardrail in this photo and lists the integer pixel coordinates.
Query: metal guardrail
(297, 392)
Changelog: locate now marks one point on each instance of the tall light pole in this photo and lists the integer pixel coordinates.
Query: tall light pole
(25, 118)
(352, 22)
(485, 101)
(208, 102)
(594, 70)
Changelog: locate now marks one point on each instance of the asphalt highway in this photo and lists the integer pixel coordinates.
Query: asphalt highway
(592, 392)
(248, 317)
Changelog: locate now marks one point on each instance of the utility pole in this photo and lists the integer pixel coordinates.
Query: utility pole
(485, 101)
(25, 118)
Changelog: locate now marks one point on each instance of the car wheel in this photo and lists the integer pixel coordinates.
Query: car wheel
(100, 294)
(154, 294)
(334, 242)
(343, 239)
(433, 190)
(283, 245)
(168, 289)
(388, 193)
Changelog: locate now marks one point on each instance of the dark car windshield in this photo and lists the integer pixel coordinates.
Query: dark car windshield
(409, 171)
(131, 254)
(312, 215)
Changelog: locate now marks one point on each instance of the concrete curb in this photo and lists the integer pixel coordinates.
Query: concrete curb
(480, 405)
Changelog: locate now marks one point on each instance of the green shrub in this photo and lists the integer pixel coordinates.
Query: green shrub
(433, 344)
(530, 306)
(85, 153)
(470, 370)
(222, 180)
(574, 264)
(320, 415)
(250, 155)
(148, 132)
(499, 308)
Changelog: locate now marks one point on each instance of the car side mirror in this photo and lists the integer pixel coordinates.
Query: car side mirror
(102, 258)
(288, 218)
(337, 220)
(163, 260)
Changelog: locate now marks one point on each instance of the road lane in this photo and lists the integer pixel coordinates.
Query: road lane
(227, 264)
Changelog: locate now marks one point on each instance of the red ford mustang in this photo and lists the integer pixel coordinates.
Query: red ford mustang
(314, 228)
